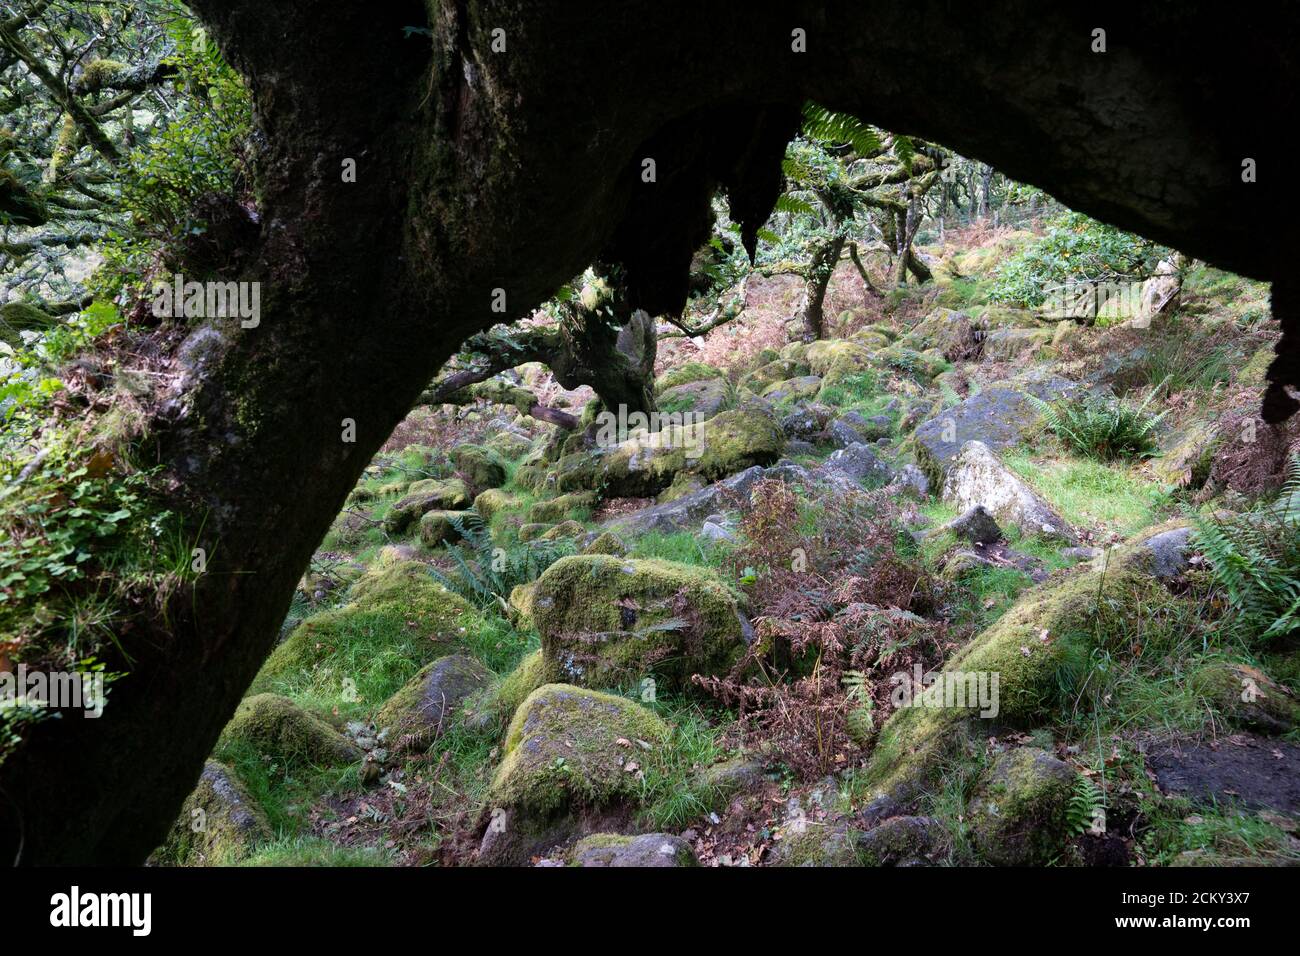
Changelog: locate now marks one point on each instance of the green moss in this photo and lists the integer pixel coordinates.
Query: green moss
(562, 751)
(353, 657)
(439, 527)
(689, 372)
(423, 496)
(1247, 696)
(280, 729)
(511, 690)
(609, 622)
(493, 502)
(565, 529)
(607, 543)
(481, 467)
(219, 824)
(564, 506)
(818, 844)
(1019, 818)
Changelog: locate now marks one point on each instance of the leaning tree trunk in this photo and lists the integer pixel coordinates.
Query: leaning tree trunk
(487, 170)
(816, 280)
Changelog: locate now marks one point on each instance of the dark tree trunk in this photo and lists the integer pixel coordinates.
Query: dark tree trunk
(480, 173)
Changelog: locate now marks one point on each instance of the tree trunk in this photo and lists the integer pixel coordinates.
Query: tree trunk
(816, 280)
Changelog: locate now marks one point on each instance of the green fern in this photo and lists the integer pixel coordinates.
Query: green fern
(1086, 802)
(832, 128)
(485, 574)
(1103, 428)
(1255, 560)
(861, 720)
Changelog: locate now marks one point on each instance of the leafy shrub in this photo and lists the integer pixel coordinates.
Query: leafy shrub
(1102, 427)
(1255, 560)
(1075, 249)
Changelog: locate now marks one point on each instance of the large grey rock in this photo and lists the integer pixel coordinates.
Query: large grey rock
(646, 849)
(1000, 416)
(857, 463)
(852, 428)
(951, 332)
(690, 510)
(705, 398)
(425, 705)
(1168, 552)
(977, 477)
(976, 525)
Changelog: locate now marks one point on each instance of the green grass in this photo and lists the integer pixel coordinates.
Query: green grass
(672, 795)
(1091, 494)
(284, 792)
(1223, 835)
(314, 851)
(683, 547)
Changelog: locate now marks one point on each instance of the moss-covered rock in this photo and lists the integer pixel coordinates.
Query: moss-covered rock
(793, 389)
(838, 355)
(568, 750)
(565, 529)
(559, 508)
(494, 501)
(729, 442)
(500, 701)
(606, 543)
(1247, 696)
(609, 622)
(1018, 815)
(422, 497)
(810, 843)
(481, 467)
(219, 823)
(704, 398)
(688, 372)
(947, 330)
(443, 527)
(426, 706)
(1010, 345)
(776, 371)
(533, 530)
(395, 597)
(640, 850)
(278, 728)
(509, 445)
(684, 484)
(903, 841)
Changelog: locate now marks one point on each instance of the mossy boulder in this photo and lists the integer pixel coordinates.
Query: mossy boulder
(422, 497)
(776, 371)
(794, 389)
(533, 530)
(840, 356)
(481, 467)
(395, 605)
(610, 622)
(729, 442)
(16, 317)
(568, 751)
(904, 841)
(443, 527)
(219, 823)
(924, 364)
(427, 705)
(640, 850)
(810, 843)
(1247, 697)
(606, 543)
(703, 399)
(278, 728)
(1010, 345)
(684, 484)
(1037, 649)
(559, 508)
(565, 529)
(947, 330)
(493, 501)
(510, 445)
(1018, 815)
(688, 372)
